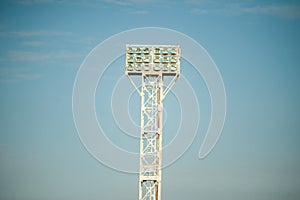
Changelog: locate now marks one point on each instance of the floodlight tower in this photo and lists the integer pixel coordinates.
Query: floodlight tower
(152, 63)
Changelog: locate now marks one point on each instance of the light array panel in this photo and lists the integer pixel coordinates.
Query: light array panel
(152, 59)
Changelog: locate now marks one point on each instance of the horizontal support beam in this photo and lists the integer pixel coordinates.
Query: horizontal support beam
(150, 178)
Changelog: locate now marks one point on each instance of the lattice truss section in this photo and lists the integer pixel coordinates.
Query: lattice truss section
(150, 190)
(151, 127)
(150, 148)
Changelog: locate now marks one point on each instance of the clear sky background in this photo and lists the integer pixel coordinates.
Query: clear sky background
(255, 45)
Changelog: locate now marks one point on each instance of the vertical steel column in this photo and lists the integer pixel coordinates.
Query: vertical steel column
(151, 137)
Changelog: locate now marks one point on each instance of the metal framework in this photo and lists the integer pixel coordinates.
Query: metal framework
(152, 63)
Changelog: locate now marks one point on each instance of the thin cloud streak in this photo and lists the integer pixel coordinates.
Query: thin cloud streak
(34, 33)
(30, 2)
(140, 12)
(281, 11)
(115, 2)
(13, 74)
(284, 11)
(33, 43)
(128, 2)
(29, 56)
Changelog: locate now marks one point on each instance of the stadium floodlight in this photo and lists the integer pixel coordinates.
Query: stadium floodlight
(153, 58)
(152, 62)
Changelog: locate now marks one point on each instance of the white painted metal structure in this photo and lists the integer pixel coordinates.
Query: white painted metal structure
(152, 63)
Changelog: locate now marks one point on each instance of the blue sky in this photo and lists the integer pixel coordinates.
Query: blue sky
(255, 45)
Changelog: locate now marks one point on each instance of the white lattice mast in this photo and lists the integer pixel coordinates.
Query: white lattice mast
(152, 63)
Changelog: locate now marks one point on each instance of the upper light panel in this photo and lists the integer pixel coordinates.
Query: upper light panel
(152, 59)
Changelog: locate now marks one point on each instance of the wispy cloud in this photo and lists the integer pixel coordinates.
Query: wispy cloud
(200, 11)
(127, 2)
(28, 76)
(198, 1)
(13, 74)
(117, 2)
(85, 3)
(32, 59)
(139, 12)
(282, 11)
(29, 2)
(34, 33)
(87, 40)
(29, 56)
(33, 43)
